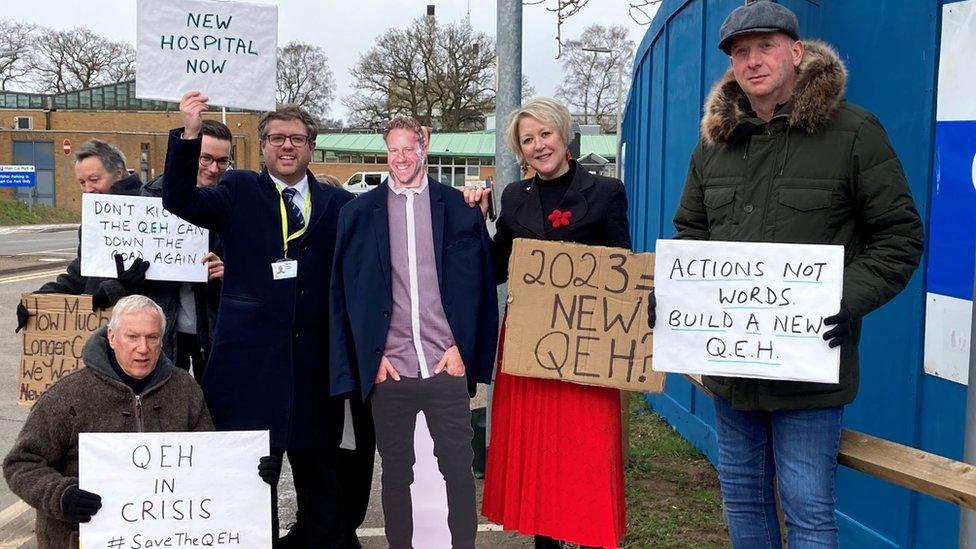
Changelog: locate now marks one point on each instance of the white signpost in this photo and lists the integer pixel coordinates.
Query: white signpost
(227, 50)
(746, 309)
(176, 489)
(137, 226)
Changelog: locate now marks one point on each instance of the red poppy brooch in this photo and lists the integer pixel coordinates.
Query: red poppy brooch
(559, 218)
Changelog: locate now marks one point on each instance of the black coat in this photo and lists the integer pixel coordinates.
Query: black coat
(362, 295)
(269, 366)
(71, 281)
(599, 206)
(206, 295)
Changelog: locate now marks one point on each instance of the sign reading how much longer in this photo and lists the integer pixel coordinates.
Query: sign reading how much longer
(227, 50)
(176, 489)
(579, 313)
(139, 227)
(56, 332)
(747, 309)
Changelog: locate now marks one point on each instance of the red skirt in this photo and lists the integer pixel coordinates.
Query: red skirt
(555, 466)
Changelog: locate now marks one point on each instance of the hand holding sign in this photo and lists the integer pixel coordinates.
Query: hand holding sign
(192, 104)
(80, 505)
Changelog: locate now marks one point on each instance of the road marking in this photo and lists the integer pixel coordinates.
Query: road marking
(19, 508)
(30, 276)
(380, 532)
(60, 251)
(12, 512)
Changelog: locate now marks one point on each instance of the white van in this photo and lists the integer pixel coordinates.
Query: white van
(361, 182)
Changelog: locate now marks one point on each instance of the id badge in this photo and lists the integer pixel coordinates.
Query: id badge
(284, 268)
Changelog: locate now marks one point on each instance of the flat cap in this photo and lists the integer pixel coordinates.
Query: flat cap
(761, 16)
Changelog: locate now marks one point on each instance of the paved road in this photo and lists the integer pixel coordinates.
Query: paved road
(60, 245)
(14, 516)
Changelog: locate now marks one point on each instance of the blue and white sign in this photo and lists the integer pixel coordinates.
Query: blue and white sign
(18, 176)
(952, 235)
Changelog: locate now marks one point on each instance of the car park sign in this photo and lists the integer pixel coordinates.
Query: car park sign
(17, 176)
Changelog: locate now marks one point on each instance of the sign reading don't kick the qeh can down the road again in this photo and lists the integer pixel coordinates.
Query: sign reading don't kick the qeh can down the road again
(579, 313)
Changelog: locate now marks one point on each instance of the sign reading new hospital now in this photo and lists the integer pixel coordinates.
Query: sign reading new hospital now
(227, 50)
(18, 176)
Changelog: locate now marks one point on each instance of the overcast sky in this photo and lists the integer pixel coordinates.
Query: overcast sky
(347, 28)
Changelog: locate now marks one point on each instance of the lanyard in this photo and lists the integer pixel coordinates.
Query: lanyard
(285, 237)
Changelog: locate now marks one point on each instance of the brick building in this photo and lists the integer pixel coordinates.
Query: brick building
(45, 130)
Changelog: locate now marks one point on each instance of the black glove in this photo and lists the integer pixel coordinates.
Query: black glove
(22, 316)
(134, 277)
(80, 505)
(100, 300)
(269, 469)
(651, 309)
(841, 331)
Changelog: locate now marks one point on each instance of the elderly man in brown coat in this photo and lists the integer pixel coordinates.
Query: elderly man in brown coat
(128, 385)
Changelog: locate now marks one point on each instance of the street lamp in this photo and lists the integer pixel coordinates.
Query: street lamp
(618, 56)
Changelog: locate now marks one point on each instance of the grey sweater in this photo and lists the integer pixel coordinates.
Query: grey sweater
(43, 463)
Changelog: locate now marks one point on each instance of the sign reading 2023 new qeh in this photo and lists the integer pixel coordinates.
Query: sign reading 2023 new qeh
(227, 50)
(745, 309)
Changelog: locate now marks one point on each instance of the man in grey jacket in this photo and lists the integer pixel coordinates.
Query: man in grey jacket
(128, 385)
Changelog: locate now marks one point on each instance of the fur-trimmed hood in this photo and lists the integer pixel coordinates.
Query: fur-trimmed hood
(819, 90)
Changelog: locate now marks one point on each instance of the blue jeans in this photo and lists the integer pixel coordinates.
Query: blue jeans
(799, 449)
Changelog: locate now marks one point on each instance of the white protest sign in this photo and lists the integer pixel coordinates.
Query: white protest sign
(745, 309)
(227, 50)
(176, 489)
(138, 226)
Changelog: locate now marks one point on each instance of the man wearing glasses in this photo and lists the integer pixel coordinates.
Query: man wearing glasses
(192, 307)
(269, 364)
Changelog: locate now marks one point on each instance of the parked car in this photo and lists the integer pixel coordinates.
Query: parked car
(361, 182)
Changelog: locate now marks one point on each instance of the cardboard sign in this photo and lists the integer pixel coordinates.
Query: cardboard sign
(579, 313)
(56, 332)
(745, 309)
(227, 50)
(138, 226)
(176, 489)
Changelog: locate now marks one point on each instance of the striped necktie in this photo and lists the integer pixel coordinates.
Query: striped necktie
(294, 212)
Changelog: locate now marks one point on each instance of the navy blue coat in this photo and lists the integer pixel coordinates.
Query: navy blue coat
(362, 295)
(269, 365)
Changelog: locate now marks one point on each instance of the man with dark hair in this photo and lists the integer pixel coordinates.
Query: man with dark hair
(783, 157)
(414, 326)
(193, 306)
(100, 169)
(269, 364)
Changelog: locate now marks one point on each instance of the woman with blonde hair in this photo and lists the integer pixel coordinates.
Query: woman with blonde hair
(555, 465)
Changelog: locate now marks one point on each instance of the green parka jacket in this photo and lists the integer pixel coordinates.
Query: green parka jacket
(822, 171)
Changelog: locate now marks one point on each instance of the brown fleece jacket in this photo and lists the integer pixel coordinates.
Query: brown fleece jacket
(43, 463)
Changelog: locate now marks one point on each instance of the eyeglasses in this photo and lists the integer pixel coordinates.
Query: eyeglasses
(222, 163)
(297, 140)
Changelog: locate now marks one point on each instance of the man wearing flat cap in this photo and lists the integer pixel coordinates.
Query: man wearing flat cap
(784, 158)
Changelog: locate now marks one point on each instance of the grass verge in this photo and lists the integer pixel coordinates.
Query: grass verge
(14, 212)
(673, 496)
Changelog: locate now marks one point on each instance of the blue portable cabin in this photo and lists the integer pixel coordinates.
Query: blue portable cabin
(891, 48)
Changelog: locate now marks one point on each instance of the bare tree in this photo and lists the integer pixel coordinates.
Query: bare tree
(589, 85)
(65, 60)
(639, 10)
(441, 75)
(305, 79)
(15, 43)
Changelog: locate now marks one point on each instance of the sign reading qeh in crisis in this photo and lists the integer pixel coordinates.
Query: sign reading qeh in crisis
(227, 50)
(198, 489)
(579, 313)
